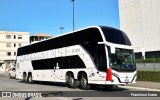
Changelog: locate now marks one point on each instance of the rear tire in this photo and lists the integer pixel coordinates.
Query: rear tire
(84, 83)
(71, 83)
(24, 78)
(30, 79)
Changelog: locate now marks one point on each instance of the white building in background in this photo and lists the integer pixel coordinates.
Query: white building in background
(9, 43)
(140, 19)
(39, 37)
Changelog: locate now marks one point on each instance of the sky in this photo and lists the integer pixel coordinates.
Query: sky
(47, 16)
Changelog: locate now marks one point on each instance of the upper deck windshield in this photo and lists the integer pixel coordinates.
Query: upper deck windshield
(115, 36)
(122, 60)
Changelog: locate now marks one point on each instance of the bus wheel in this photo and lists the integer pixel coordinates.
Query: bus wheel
(30, 79)
(71, 83)
(84, 83)
(24, 78)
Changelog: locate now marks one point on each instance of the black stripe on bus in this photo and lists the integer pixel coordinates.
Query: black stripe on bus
(69, 62)
(91, 35)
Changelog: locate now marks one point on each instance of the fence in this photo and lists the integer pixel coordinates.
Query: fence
(151, 63)
(148, 66)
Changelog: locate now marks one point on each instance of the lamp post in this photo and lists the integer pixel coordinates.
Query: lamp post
(61, 29)
(73, 14)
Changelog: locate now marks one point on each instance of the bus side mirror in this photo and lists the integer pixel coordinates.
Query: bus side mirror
(111, 46)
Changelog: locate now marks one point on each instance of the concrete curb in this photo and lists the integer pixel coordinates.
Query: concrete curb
(138, 88)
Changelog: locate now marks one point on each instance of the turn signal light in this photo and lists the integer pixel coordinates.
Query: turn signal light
(108, 74)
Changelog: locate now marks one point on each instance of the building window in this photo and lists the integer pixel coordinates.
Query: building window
(20, 45)
(8, 44)
(14, 44)
(8, 36)
(8, 53)
(14, 36)
(14, 53)
(19, 36)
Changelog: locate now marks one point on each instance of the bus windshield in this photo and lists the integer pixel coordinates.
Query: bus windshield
(115, 36)
(123, 60)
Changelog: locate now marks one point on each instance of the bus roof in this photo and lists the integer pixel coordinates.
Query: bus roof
(98, 27)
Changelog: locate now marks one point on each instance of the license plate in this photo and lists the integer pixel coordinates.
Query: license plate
(126, 80)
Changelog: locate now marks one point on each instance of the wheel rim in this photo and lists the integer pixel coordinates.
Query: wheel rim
(71, 81)
(30, 78)
(25, 78)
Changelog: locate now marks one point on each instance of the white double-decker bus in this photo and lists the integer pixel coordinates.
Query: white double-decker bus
(97, 55)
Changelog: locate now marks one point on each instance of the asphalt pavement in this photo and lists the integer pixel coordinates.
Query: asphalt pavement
(140, 84)
(100, 93)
